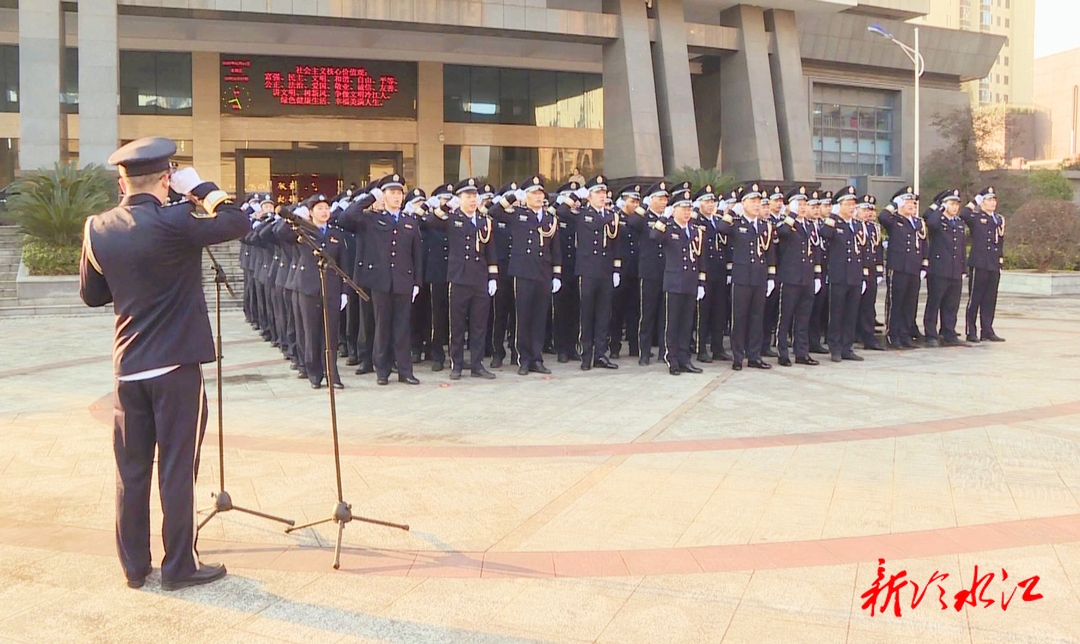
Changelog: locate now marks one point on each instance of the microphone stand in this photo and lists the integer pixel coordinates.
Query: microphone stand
(342, 513)
(222, 499)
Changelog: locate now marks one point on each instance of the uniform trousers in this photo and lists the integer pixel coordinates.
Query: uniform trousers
(311, 314)
(652, 315)
(625, 315)
(712, 315)
(596, 293)
(392, 329)
(362, 319)
(439, 306)
(469, 308)
(249, 296)
(566, 314)
(868, 314)
(352, 323)
(843, 317)
(982, 300)
(264, 307)
(420, 320)
(771, 318)
(819, 317)
(678, 327)
(796, 305)
(903, 299)
(503, 326)
(289, 344)
(531, 301)
(298, 324)
(747, 313)
(942, 306)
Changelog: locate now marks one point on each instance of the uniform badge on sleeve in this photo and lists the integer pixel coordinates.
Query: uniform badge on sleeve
(458, 224)
(743, 230)
(334, 240)
(523, 218)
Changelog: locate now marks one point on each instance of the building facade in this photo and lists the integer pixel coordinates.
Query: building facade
(1057, 93)
(298, 96)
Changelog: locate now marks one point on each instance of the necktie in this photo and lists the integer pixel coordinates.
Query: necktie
(322, 229)
(473, 220)
(755, 226)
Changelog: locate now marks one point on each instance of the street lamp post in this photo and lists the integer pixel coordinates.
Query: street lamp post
(920, 67)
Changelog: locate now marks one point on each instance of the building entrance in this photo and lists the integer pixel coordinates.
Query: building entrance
(294, 175)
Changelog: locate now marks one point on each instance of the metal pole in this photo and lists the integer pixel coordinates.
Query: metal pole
(918, 134)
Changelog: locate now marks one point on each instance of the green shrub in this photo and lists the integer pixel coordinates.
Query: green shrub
(1050, 184)
(45, 259)
(51, 205)
(1043, 235)
(698, 177)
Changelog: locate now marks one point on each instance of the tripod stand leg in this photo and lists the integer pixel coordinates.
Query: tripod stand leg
(263, 515)
(337, 547)
(207, 519)
(308, 525)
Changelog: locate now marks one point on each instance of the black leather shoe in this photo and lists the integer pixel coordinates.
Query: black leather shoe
(759, 364)
(852, 357)
(807, 361)
(365, 368)
(563, 358)
(204, 575)
(409, 380)
(605, 363)
(352, 362)
(994, 338)
(383, 381)
(139, 582)
(301, 374)
(496, 363)
(538, 367)
(690, 368)
(931, 342)
(873, 346)
(574, 355)
(819, 350)
(768, 353)
(644, 360)
(704, 357)
(784, 362)
(585, 366)
(736, 366)
(455, 374)
(483, 373)
(338, 385)
(523, 369)
(974, 339)
(908, 345)
(438, 365)
(316, 385)
(343, 352)
(417, 356)
(951, 342)
(614, 355)
(723, 356)
(675, 371)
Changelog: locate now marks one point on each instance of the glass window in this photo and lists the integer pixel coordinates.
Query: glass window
(852, 131)
(455, 93)
(544, 95)
(9, 78)
(522, 97)
(985, 17)
(500, 165)
(69, 98)
(155, 83)
(514, 97)
(984, 95)
(1006, 23)
(483, 105)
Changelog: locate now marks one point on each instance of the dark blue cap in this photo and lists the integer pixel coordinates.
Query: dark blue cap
(144, 156)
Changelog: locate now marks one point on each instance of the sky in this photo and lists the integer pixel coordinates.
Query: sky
(1057, 26)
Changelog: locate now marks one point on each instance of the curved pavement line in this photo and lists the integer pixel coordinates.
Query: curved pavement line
(267, 444)
(584, 563)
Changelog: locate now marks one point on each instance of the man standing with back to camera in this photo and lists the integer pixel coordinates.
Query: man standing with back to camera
(146, 259)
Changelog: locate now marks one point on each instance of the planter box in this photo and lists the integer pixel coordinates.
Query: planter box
(1045, 284)
(46, 290)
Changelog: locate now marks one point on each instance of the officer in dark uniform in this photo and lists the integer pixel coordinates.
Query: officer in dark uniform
(846, 275)
(535, 264)
(712, 310)
(395, 274)
(873, 255)
(650, 269)
(292, 294)
(908, 257)
(772, 303)
(626, 301)
(263, 261)
(820, 204)
(598, 271)
(361, 313)
(800, 279)
(987, 247)
(473, 273)
(350, 328)
(684, 281)
(504, 323)
(147, 260)
(565, 303)
(753, 275)
(433, 326)
(948, 255)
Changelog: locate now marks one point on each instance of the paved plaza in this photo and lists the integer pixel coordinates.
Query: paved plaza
(624, 506)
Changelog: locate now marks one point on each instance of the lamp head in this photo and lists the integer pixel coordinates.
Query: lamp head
(879, 30)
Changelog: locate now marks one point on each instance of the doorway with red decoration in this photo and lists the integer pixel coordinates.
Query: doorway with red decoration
(294, 175)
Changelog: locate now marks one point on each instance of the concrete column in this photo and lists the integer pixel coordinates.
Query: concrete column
(707, 108)
(99, 74)
(206, 115)
(751, 142)
(789, 91)
(631, 126)
(42, 126)
(429, 125)
(674, 96)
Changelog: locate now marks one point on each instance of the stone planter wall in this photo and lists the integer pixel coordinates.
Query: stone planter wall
(45, 290)
(1045, 284)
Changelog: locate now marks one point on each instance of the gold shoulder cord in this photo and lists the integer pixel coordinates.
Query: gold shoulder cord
(483, 235)
(611, 231)
(1000, 231)
(763, 247)
(696, 244)
(550, 232)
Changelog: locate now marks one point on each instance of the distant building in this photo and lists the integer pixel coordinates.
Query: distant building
(1057, 91)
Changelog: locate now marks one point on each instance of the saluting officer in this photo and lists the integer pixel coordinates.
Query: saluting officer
(874, 261)
(753, 275)
(820, 204)
(847, 275)
(626, 302)
(772, 303)
(434, 299)
(800, 279)
(503, 322)
(566, 314)
(650, 269)
(948, 252)
(712, 310)
(987, 248)
(684, 281)
(535, 264)
(394, 273)
(598, 271)
(907, 262)
(146, 259)
(473, 273)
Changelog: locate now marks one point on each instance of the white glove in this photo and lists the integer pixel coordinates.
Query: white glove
(880, 279)
(863, 288)
(817, 285)
(343, 204)
(885, 244)
(185, 180)
(377, 193)
(247, 205)
(582, 193)
(520, 196)
(556, 285)
(344, 301)
(769, 287)
(432, 202)
(700, 293)
(415, 292)
(454, 203)
(922, 275)
(302, 211)
(493, 285)
(729, 280)
(616, 279)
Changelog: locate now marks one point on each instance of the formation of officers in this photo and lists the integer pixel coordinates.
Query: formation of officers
(580, 271)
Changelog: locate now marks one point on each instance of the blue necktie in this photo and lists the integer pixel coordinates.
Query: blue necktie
(473, 220)
(322, 229)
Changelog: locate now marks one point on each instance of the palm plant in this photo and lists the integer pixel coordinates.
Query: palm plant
(699, 177)
(51, 206)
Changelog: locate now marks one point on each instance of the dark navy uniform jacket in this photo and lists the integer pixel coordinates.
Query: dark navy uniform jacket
(307, 278)
(534, 253)
(391, 248)
(798, 259)
(146, 259)
(436, 255)
(948, 244)
(874, 254)
(651, 252)
(595, 251)
(845, 252)
(627, 245)
(987, 238)
(908, 250)
(567, 239)
(714, 255)
(682, 267)
(753, 252)
(472, 261)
